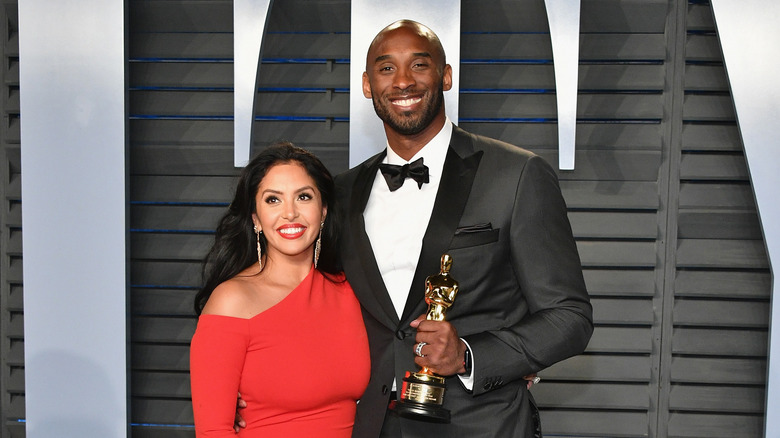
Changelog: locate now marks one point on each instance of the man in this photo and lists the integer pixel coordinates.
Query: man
(497, 210)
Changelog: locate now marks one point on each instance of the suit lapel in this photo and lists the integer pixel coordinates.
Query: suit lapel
(460, 166)
(374, 296)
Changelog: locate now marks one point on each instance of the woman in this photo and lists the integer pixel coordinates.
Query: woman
(278, 323)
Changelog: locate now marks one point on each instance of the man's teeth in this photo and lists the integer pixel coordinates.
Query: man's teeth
(291, 230)
(407, 102)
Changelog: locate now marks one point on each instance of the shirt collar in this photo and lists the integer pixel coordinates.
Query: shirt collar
(433, 153)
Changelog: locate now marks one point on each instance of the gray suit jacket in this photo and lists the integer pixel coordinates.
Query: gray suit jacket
(522, 304)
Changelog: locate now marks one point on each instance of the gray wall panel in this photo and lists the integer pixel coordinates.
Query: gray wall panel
(727, 399)
(675, 268)
(744, 284)
(578, 423)
(11, 293)
(714, 425)
(722, 342)
(607, 396)
(603, 368)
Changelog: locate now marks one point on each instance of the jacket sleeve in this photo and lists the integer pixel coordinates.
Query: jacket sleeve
(544, 258)
(217, 353)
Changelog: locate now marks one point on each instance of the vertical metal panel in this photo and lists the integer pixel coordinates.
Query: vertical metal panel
(667, 221)
(73, 160)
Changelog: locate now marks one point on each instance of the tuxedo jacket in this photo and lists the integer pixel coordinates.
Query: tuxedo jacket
(521, 306)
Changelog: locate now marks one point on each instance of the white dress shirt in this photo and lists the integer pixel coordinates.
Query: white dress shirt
(396, 222)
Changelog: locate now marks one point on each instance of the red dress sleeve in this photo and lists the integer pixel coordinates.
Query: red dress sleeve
(217, 354)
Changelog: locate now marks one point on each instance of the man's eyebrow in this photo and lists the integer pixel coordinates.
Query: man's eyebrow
(381, 58)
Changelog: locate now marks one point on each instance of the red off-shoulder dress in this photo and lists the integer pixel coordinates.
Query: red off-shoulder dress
(301, 366)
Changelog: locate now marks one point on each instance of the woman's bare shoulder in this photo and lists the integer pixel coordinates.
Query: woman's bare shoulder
(233, 297)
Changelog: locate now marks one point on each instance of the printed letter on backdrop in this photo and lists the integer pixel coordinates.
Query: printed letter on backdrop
(748, 37)
(564, 19)
(249, 19)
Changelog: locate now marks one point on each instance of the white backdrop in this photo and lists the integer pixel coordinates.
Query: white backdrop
(72, 82)
(749, 38)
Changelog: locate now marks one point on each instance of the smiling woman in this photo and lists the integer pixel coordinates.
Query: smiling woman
(290, 213)
(270, 288)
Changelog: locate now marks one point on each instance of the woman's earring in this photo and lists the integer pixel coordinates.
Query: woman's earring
(259, 248)
(318, 245)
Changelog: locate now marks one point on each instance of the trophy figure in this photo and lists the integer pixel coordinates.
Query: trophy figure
(422, 393)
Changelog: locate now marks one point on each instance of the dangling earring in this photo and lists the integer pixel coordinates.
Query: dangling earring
(318, 245)
(259, 248)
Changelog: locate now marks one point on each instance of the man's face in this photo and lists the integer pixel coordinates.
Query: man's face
(406, 78)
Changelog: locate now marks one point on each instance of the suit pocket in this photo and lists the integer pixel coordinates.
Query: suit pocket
(474, 235)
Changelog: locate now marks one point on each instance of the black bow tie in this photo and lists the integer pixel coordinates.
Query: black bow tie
(396, 175)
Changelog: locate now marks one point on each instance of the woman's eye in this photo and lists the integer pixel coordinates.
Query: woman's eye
(304, 196)
(271, 200)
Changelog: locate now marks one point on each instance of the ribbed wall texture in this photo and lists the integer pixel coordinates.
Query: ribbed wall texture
(660, 201)
(11, 320)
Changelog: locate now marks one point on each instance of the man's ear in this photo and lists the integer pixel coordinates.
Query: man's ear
(366, 86)
(447, 78)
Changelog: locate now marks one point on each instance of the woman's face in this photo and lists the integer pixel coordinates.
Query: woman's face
(289, 211)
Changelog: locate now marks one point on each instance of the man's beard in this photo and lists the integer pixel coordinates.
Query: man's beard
(406, 123)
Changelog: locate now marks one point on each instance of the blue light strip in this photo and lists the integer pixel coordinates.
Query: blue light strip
(185, 426)
(194, 204)
(506, 61)
(177, 117)
(169, 231)
(507, 91)
(171, 88)
(163, 286)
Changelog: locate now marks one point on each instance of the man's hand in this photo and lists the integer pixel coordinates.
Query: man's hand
(443, 350)
(239, 421)
(532, 380)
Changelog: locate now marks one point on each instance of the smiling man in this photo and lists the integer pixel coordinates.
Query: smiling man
(498, 211)
(407, 87)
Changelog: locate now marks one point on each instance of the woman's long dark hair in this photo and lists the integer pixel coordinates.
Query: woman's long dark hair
(235, 247)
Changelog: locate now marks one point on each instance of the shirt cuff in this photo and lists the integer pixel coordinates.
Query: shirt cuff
(468, 380)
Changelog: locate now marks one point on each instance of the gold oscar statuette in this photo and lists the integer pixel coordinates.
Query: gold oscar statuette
(422, 393)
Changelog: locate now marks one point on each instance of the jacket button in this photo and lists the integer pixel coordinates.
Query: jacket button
(400, 335)
(384, 389)
(487, 386)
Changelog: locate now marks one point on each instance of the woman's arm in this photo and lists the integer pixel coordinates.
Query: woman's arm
(217, 355)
